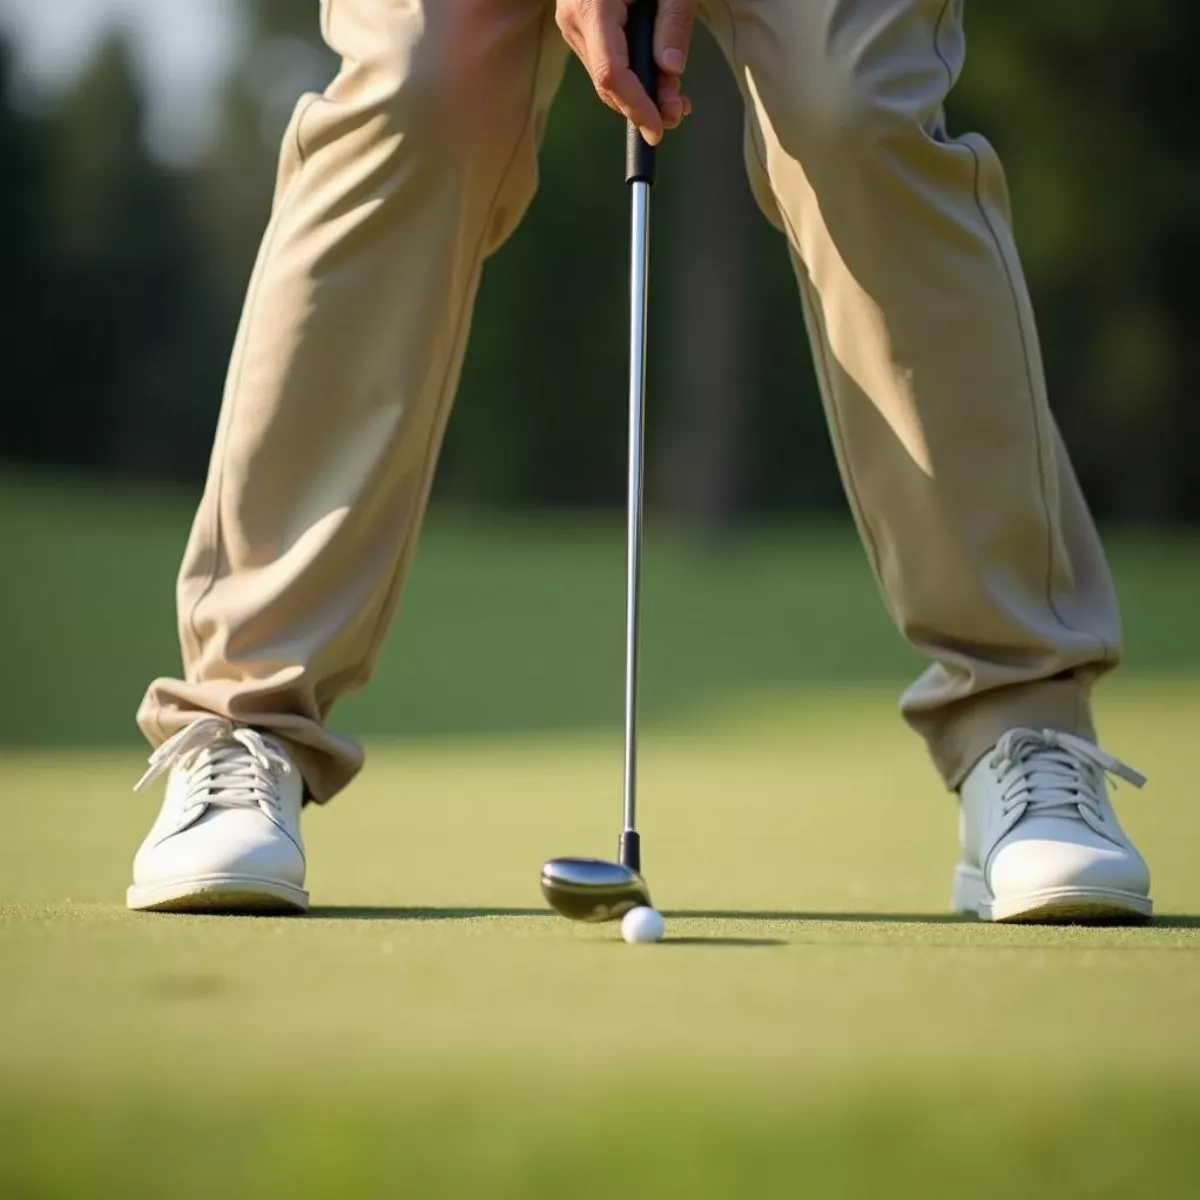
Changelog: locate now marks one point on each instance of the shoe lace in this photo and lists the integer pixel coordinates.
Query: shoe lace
(229, 766)
(1054, 773)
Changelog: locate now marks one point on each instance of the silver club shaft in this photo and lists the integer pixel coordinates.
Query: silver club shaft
(639, 282)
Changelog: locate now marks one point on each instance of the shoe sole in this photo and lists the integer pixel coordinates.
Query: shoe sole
(229, 894)
(1049, 906)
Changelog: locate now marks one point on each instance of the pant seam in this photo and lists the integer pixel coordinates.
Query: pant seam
(821, 348)
(1038, 428)
(428, 464)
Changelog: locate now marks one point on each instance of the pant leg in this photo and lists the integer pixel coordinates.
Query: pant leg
(418, 160)
(928, 361)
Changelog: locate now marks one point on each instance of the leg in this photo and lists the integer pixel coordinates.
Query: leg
(928, 361)
(417, 161)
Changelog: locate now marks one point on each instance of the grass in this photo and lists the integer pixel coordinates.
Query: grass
(815, 1023)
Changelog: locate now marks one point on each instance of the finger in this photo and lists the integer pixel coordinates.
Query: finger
(670, 102)
(671, 85)
(606, 56)
(673, 34)
(570, 33)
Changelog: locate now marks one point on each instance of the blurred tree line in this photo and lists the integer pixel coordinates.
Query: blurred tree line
(124, 277)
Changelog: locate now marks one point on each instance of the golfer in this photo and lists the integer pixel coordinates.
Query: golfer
(395, 185)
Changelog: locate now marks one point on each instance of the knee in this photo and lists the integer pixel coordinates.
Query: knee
(444, 97)
(436, 86)
(409, 90)
(854, 115)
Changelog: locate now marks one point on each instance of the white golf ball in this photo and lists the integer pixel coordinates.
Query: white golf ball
(642, 925)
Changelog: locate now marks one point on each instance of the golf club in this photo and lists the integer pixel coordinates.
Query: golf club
(592, 889)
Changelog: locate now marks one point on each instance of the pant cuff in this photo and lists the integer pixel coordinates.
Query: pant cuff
(961, 733)
(327, 761)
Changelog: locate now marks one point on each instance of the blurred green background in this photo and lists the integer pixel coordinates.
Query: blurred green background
(134, 198)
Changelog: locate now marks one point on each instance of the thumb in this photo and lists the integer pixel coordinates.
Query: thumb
(673, 34)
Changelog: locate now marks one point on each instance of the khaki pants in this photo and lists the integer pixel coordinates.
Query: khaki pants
(419, 160)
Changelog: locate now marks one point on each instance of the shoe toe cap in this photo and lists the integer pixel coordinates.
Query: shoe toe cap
(1051, 859)
(238, 842)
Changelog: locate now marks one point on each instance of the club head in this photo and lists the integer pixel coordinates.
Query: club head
(590, 889)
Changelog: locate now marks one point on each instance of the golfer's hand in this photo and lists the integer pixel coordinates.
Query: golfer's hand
(595, 30)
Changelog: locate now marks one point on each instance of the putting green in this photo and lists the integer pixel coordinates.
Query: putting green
(815, 1023)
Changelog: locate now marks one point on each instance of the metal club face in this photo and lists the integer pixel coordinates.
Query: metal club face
(590, 889)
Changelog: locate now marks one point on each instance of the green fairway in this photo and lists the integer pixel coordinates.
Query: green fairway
(815, 1024)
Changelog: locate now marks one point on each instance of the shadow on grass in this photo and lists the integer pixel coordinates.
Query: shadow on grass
(353, 912)
(854, 918)
(744, 942)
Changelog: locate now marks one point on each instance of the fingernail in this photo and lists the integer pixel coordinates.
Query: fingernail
(672, 60)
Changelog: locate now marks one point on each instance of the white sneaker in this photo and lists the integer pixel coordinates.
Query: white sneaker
(228, 836)
(1040, 840)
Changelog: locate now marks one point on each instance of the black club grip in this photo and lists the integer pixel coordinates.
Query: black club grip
(639, 32)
